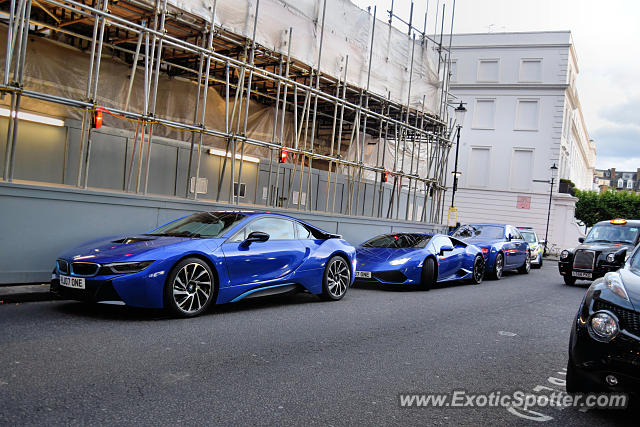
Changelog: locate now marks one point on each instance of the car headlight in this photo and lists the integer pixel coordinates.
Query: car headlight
(399, 261)
(613, 281)
(604, 326)
(611, 257)
(127, 267)
(564, 254)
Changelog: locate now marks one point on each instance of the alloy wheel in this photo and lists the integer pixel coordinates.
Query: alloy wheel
(499, 265)
(478, 270)
(191, 288)
(338, 278)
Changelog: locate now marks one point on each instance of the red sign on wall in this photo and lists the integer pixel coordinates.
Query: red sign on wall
(524, 202)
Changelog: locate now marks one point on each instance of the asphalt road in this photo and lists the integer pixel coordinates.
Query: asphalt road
(294, 360)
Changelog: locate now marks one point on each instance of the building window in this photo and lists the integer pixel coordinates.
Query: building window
(521, 168)
(527, 114)
(530, 70)
(629, 185)
(240, 190)
(479, 167)
(453, 72)
(620, 183)
(484, 114)
(488, 70)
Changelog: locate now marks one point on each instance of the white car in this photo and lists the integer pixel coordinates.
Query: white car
(536, 246)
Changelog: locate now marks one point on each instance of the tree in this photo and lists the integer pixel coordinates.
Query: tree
(592, 207)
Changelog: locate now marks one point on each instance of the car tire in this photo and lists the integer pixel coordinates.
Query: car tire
(569, 280)
(478, 270)
(190, 288)
(539, 264)
(498, 266)
(428, 274)
(526, 267)
(336, 279)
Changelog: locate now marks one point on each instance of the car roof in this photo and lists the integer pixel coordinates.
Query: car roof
(496, 225)
(254, 213)
(421, 233)
(634, 222)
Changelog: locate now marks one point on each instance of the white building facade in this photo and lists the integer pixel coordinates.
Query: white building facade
(523, 116)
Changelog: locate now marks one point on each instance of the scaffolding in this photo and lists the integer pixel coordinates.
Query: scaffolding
(319, 119)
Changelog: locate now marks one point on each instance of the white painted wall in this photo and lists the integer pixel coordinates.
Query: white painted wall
(488, 191)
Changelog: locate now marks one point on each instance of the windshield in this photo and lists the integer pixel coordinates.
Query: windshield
(482, 231)
(398, 241)
(203, 224)
(529, 236)
(612, 233)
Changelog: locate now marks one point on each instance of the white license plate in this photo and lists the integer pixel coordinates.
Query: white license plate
(581, 274)
(72, 282)
(363, 274)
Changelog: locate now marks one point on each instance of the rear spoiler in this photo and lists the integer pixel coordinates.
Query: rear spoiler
(332, 236)
(320, 233)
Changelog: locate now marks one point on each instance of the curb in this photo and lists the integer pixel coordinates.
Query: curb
(28, 293)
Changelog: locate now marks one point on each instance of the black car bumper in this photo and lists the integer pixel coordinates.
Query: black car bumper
(566, 269)
(594, 360)
(95, 291)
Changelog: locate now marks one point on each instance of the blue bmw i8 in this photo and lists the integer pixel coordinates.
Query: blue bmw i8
(420, 259)
(502, 245)
(206, 258)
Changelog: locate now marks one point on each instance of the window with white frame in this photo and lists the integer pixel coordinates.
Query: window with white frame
(521, 168)
(479, 167)
(488, 70)
(629, 185)
(527, 114)
(484, 113)
(620, 183)
(453, 72)
(530, 70)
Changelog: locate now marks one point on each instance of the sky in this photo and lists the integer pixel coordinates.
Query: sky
(606, 35)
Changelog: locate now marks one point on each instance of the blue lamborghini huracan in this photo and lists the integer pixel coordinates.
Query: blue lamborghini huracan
(418, 259)
(208, 258)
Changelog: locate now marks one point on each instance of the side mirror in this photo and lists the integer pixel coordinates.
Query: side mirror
(581, 239)
(255, 236)
(445, 248)
(509, 237)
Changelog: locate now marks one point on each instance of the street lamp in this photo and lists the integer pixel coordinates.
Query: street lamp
(459, 114)
(554, 171)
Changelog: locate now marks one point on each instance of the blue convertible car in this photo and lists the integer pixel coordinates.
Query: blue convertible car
(503, 246)
(418, 259)
(205, 258)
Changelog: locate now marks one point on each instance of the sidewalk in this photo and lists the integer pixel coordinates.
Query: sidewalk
(10, 294)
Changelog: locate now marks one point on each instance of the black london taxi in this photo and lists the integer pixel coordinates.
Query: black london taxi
(605, 249)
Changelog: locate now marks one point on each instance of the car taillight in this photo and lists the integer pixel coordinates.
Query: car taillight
(485, 252)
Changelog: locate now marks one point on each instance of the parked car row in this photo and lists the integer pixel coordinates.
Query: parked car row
(219, 257)
(604, 346)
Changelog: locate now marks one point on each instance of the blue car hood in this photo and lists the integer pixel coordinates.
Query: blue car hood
(129, 247)
(382, 255)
